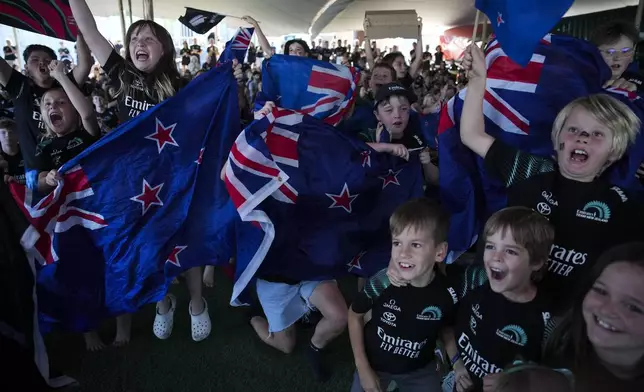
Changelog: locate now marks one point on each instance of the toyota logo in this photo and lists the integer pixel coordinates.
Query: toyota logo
(389, 316)
(543, 208)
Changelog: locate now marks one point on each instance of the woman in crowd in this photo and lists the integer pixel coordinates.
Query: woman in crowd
(601, 339)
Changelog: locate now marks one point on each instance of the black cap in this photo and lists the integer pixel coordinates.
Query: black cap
(394, 89)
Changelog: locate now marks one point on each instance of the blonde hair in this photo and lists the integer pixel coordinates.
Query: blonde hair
(49, 132)
(609, 111)
(529, 229)
(421, 214)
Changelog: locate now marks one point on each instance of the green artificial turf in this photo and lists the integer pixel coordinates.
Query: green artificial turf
(231, 359)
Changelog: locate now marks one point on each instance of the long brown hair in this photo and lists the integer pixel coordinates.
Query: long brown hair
(569, 341)
(165, 77)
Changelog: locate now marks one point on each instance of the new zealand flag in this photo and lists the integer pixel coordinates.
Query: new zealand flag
(320, 195)
(138, 207)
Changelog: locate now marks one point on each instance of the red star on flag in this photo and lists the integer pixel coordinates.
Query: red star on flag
(390, 178)
(355, 262)
(174, 255)
(366, 158)
(343, 200)
(499, 20)
(200, 159)
(163, 135)
(148, 197)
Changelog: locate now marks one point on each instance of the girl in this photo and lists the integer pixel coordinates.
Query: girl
(601, 339)
(145, 77)
(589, 213)
(185, 56)
(71, 127)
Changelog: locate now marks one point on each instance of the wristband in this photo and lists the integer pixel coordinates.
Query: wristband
(455, 359)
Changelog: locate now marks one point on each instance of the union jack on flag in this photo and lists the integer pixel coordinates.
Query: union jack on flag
(237, 47)
(56, 213)
(320, 89)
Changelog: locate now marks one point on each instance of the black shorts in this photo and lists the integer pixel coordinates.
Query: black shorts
(185, 60)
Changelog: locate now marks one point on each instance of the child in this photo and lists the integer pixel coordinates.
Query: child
(509, 317)
(398, 342)
(107, 117)
(392, 109)
(616, 43)
(590, 214)
(528, 377)
(27, 90)
(145, 77)
(601, 339)
(15, 170)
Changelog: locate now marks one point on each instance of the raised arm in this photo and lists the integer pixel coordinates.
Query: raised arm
(82, 105)
(263, 42)
(472, 122)
(367, 46)
(415, 67)
(87, 25)
(81, 71)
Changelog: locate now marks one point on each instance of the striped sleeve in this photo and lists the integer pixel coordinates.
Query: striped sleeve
(512, 165)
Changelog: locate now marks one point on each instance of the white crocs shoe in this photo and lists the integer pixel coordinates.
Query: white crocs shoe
(201, 325)
(163, 323)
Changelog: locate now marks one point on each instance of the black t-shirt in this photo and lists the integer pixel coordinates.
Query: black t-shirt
(185, 52)
(326, 54)
(492, 331)
(636, 78)
(406, 81)
(16, 166)
(588, 218)
(134, 101)
(7, 53)
(340, 51)
(26, 97)
(196, 48)
(438, 58)
(54, 152)
(406, 321)
(107, 120)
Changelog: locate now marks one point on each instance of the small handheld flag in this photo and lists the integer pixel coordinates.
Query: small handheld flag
(200, 21)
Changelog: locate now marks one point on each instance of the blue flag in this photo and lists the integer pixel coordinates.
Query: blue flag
(320, 89)
(520, 25)
(319, 195)
(520, 106)
(237, 47)
(138, 207)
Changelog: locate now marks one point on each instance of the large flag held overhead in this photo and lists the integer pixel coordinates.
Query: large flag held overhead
(48, 17)
(319, 195)
(520, 106)
(200, 21)
(320, 89)
(115, 231)
(519, 25)
(237, 47)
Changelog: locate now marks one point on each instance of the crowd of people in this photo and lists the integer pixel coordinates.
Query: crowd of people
(553, 302)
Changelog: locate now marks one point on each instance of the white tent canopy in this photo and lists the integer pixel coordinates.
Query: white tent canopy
(281, 17)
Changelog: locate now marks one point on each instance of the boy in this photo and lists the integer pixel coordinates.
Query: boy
(589, 214)
(15, 171)
(107, 118)
(27, 91)
(507, 318)
(616, 42)
(394, 134)
(398, 342)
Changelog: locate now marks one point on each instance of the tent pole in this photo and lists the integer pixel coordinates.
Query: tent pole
(129, 6)
(638, 15)
(148, 9)
(15, 43)
(122, 17)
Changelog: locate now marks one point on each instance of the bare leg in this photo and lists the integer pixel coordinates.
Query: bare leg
(164, 305)
(194, 282)
(328, 299)
(123, 328)
(209, 276)
(282, 340)
(93, 342)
